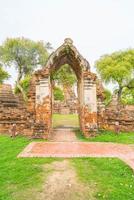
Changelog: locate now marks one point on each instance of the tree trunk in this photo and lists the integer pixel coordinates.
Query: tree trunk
(22, 91)
(19, 86)
(119, 94)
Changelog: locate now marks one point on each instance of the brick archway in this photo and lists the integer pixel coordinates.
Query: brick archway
(40, 96)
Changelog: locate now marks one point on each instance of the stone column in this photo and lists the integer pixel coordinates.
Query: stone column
(43, 105)
(89, 107)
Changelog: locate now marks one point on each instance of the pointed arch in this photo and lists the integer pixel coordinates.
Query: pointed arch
(42, 97)
(67, 54)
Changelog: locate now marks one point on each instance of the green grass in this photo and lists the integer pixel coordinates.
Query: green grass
(19, 177)
(110, 178)
(69, 120)
(22, 178)
(108, 136)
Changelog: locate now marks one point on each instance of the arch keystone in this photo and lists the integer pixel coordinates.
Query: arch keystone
(68, 41)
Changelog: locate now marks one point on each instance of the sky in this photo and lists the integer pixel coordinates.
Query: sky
(96, 27)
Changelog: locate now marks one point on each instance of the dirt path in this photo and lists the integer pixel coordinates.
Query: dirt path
(63, 135)
(63, 184)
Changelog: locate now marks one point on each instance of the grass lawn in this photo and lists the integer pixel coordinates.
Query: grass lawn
(22, 178)
(68, 120)
(108, 136)
(19, 178)
(110, 178)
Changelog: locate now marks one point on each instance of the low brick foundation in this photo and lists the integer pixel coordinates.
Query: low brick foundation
(122, 114)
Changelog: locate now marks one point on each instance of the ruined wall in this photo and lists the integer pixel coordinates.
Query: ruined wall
(100, 105)
(124, 114)
(108, 116)
(39, 103)
(12, 111)
(70, 103)
(69, 107)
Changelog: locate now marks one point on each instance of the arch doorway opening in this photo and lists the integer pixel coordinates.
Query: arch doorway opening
(65, 100)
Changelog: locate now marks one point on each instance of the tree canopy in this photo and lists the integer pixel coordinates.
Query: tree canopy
(24, 55)
(65, 75)
(3, 75)
(118, 68)
(127, 96)
(25, 83)
(58, 94)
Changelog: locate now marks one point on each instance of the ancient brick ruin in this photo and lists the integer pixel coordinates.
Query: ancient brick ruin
(35, 117)
(124, 114)
(69, 104)
(12, 110)
(40, 95)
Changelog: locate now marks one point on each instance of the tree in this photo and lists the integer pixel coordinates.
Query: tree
(23, 54)
(25, 83)
(3, 75)
(118, 68)
(127, 96)
(108, 96)
(66, 77)
(58, 94)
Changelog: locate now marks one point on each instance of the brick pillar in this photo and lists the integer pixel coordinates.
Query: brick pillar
(89, 110)
(43, 106)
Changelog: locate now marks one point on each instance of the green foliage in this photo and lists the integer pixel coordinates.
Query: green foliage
(108, 136)
(24, 55)
(127, 96)
(24, 84)
(118, 68)
(3, 75)
(65, 76)
(58, 94)
(108, 96)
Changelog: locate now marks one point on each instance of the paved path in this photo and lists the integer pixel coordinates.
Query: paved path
(63, 135)
(80, 149)
(63, 143)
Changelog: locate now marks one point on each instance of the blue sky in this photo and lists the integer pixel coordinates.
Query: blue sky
(96, 26)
